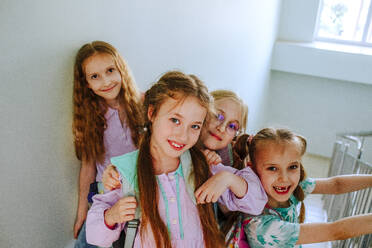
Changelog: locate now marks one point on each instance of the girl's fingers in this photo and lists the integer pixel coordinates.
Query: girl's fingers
(208, 198)
(202, 197)
(199, 191)
(127, 212)
(206, 152)
(215, 198)
(128, 217)
(130, 199)
(115, 175)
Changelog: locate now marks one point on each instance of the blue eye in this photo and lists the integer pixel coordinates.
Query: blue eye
(196, 127)
(175, 120)
(111, 69)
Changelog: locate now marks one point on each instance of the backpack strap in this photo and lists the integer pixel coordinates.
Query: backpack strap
(132, 228)
(187, 170)
(127, 167)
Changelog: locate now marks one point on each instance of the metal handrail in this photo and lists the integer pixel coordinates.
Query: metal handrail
(358, 138)
(344, 161)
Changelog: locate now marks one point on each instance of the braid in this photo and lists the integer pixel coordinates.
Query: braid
(300, 196)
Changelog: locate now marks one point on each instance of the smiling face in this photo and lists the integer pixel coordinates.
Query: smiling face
(176, 126)
(103, 77)
(278, 166)
(220, 130)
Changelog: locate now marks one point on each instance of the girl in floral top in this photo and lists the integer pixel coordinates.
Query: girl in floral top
(276, 158)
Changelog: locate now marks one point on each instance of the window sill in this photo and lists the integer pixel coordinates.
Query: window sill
(321, 59)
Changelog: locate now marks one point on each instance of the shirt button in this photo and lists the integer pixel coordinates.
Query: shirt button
(174, 221)
(172, 199)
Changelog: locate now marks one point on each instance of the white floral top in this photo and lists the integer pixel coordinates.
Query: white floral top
(276, 227)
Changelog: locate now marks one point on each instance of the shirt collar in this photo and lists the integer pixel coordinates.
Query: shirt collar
(109, 112)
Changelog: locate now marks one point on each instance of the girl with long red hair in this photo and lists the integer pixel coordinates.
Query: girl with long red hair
(106, 118)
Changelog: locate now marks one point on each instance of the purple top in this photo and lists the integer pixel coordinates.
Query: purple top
(226, 155)
(176, 208)
(117, 140)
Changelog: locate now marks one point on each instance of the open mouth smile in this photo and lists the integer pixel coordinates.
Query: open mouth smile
(176, 146)
(282, 190)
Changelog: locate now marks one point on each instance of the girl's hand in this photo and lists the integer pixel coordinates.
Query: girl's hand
(79, 221)
(212, 157)
(213, 188)
(122, 211)
(110, 178)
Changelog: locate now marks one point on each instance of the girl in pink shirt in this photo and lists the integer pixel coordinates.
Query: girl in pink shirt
(106, 116)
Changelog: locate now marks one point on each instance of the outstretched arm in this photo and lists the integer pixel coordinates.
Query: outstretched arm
(339, 230)
(342, 184)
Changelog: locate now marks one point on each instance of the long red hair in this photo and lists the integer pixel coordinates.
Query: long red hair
(89, 121)
(178, 86)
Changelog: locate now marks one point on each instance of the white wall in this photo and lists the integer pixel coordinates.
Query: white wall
(298, 20)
(319, 108)
(227, 43)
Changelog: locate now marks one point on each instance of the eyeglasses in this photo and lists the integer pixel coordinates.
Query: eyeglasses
(232, 127)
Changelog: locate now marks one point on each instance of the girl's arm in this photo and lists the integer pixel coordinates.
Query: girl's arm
(342, 184)
(213, 188)
(87, 176)
(245, 193)
(102, 230)
(339, 230)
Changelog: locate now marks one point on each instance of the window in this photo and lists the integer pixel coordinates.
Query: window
(345, 21)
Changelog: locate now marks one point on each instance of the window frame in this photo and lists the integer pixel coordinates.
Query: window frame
(363, 42)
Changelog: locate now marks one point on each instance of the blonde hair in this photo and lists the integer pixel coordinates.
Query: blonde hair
(227, 94)
(89, 121)
(281, 136)
(176, 85)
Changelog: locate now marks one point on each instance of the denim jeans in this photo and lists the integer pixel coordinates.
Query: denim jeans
(81, 241)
